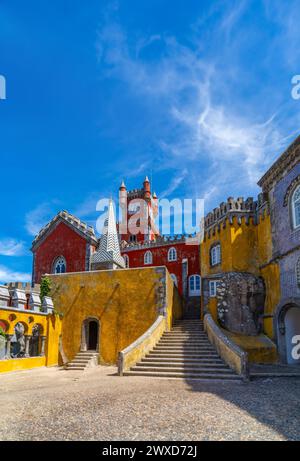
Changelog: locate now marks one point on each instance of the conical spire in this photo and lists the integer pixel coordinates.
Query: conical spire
(108, 255)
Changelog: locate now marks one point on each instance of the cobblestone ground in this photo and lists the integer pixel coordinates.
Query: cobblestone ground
(54, 404)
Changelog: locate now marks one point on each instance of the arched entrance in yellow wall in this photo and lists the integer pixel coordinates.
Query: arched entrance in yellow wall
(90, 334)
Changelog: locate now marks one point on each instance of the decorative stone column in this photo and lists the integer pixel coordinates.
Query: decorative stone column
(27, 341)
(8, 343)
(43, 343)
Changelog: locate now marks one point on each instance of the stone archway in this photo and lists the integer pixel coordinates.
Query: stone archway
(288, 331)
(90, 334)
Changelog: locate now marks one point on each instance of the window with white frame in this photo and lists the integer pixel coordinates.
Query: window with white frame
(148, 257)
(126, 259)
(60, 266)
(172, 254)
(174, 278)
(215, 255)
(296, 207)
(298, 272)
(194, 285)
(213, 288)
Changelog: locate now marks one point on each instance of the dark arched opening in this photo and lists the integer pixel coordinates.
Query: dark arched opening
(93, 335)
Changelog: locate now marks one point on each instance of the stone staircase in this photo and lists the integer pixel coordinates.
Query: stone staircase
(184, 352)
(83, 360)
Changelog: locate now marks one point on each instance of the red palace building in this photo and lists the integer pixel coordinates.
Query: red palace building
(66, 244)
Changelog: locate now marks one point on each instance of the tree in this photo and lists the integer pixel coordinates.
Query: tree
(45, 287)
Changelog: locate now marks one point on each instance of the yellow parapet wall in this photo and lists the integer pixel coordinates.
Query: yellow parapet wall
(125, 303)
(230, 352)
(137, 350)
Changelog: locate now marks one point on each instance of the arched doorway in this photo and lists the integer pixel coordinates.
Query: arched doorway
(93, 336)
(292, 335)
(288, 333)
(90, 335)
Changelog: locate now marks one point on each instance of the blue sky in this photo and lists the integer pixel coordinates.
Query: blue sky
(196, 93)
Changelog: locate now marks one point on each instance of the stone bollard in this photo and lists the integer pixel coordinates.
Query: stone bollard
(4, 296)
(47, 305)
(19, 299)
(35, 303)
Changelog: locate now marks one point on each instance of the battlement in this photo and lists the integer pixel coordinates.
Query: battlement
(238, 208)
(82, 227)
(22, 296)
(160, 241)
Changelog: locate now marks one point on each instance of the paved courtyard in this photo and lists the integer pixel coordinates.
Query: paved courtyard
(54, 404)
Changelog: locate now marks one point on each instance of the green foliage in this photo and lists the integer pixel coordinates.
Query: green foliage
(45, 287)
(2, 333)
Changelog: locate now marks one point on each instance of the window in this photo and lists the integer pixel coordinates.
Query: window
(194, 285)
(126, 259)
(148, 257)
(298, 272)
(132, 238)
(213, 288)
(172, 254)
(60, 265)
(296, 208)
(215, 255)
(174, 278)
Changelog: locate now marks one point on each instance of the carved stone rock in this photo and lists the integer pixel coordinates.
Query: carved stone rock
(240, 303)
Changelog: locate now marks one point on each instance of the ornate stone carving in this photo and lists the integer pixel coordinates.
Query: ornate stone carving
(240, 303)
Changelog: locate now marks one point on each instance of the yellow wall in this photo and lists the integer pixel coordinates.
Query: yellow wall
(246, 248)
(271, 275)
(126, 303)
(239, 248)
(51, 326)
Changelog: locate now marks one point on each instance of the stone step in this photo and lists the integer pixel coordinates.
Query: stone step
(184, 337)
(183, 341)
(162, 359)
(188, 370)
(183, 349)
(183, 365)
(177, 354)
(197, 376)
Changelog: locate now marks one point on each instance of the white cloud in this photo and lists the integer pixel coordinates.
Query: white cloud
(7, 275)
(174, 184)
(204, 123)
(38, 218)
(11, 247)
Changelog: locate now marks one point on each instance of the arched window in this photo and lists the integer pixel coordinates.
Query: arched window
(174, 278)
(215, 255)
(60, 266)
(194, 285)
(298, 272)
(148, 257)
(172, 254)
(296, 208)
(126, 259)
